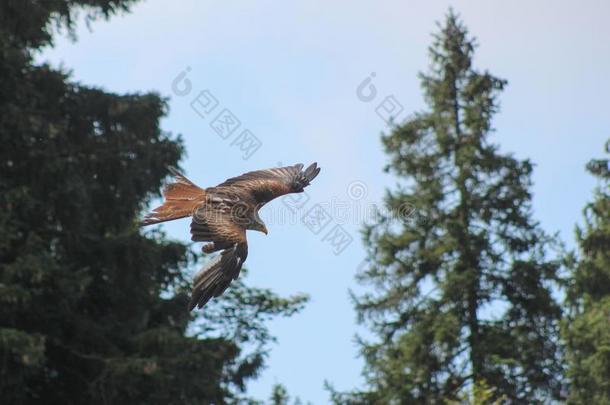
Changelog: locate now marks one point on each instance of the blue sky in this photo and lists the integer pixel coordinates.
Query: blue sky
(289, 73)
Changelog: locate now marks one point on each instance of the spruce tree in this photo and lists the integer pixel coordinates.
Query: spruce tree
(461, 297)
(279, 395)
(92, 310)
(586, 328)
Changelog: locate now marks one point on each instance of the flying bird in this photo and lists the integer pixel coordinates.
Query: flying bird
(221, 215)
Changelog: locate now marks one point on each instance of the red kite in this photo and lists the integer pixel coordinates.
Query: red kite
(221, 216)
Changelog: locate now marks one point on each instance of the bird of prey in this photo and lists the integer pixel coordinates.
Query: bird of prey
(222, 214)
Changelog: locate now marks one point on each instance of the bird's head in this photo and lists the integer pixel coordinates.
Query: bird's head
(259, 226)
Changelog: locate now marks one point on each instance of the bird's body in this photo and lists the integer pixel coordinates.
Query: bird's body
(222, 214)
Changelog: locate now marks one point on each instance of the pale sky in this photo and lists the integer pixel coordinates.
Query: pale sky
(289, 72)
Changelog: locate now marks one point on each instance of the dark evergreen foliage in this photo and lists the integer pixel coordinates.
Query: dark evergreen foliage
(460, 293)
(586, 328)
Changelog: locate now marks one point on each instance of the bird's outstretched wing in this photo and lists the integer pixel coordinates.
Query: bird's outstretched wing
(212, 222)
(217, 220)
(265, 185)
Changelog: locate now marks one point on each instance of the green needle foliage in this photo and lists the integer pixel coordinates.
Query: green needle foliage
(279, 396)
(586, 329)
(461, 287)
(93, 310)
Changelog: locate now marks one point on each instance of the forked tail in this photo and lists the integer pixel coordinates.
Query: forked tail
(180, 200)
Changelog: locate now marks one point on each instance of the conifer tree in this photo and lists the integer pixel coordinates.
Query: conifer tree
(586, 328)
(279, 395)
(461, 288)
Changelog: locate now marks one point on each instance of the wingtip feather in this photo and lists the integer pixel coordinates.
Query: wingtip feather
(312, 171)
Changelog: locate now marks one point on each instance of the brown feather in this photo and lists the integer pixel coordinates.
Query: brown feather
(221, 216)
(213, 279)
(265, 185)
(180, 200)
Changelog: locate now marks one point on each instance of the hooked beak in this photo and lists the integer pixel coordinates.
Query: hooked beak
(264, 230)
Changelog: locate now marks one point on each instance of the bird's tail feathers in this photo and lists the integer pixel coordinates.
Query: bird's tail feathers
(180, 200)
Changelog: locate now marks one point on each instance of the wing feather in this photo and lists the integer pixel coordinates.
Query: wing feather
(215, 278)
(213, 222)
(265, 185)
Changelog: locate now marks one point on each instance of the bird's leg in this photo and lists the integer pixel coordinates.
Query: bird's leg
(214, 247)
